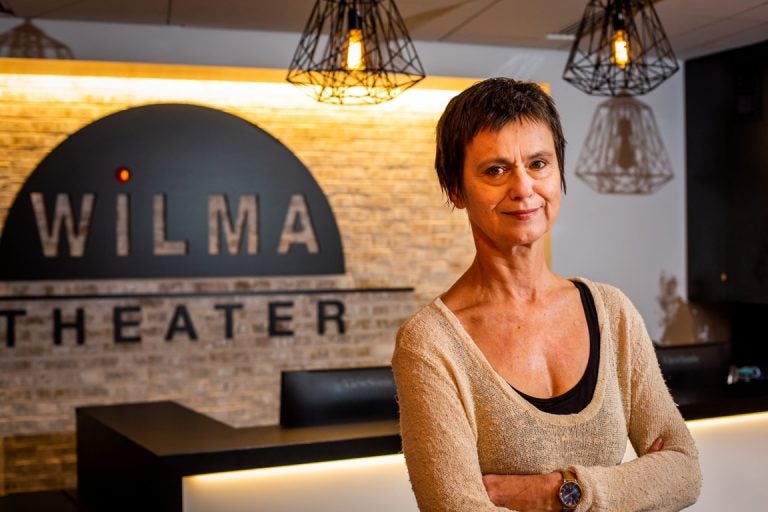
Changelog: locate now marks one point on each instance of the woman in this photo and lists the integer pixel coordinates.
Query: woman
(518, 388)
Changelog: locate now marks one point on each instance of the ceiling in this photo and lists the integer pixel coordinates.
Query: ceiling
(695, 27)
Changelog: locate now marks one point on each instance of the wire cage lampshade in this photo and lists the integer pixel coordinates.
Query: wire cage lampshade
(28, 41)
(624, 153)
(620, 49)
(355, 52)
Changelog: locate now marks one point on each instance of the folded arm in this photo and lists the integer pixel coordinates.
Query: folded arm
(664, 480)
(439, 442)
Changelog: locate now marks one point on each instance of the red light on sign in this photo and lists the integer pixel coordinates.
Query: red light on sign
(123, 175)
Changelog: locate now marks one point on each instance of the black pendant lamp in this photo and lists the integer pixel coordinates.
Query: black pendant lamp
(624, 152)
(28, 41)
(355, 52)
(620, 49)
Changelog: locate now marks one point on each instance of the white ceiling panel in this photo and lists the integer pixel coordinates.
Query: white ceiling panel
(699, 46)
(116, 11)
(435, 19)
(519, 21)
(692, 25)
(710, 8)
(759, 12)
(288, 16)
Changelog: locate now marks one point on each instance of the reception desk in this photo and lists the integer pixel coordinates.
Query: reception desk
(138, 456)
(163, 456)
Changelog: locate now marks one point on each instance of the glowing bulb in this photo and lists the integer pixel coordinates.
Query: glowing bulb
(353, 56)
(123, 174)
(620, 48)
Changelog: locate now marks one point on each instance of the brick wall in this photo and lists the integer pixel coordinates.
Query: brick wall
(40, 462)
(373, 163)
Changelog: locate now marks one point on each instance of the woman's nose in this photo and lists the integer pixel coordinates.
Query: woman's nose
(520, 184)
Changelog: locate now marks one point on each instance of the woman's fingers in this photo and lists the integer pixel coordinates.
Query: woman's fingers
(657, 445)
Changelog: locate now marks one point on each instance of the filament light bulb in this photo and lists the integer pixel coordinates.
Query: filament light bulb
(620, 48)
(353, 56)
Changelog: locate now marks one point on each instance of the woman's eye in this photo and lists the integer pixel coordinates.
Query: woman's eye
(495, 171)
(538, 164)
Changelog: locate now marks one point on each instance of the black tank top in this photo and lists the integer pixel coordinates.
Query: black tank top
(579, 396)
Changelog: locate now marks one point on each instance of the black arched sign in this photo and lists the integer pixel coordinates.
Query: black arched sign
(174, 191)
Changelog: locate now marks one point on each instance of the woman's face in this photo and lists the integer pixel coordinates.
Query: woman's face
(511, 184)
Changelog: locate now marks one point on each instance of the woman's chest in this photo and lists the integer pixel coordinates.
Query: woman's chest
(513, 440)
(536, 353)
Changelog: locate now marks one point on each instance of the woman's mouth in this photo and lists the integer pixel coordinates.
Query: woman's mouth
(526, 214)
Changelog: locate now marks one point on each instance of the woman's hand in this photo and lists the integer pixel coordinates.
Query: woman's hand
(529, 493)
(526, 493)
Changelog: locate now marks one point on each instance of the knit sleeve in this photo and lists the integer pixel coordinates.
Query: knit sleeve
(438, 438)
(667, 480)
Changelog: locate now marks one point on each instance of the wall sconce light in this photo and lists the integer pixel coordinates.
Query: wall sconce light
(355, 52)
(28, 41)
(620, 49)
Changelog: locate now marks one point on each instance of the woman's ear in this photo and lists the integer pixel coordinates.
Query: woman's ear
(456, 200)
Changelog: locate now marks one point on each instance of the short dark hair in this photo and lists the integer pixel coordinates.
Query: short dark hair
(490, 104)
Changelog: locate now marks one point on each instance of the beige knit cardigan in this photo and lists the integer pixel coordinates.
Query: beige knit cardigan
(460, 419)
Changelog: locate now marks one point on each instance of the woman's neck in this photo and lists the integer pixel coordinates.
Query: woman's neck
(521, 275)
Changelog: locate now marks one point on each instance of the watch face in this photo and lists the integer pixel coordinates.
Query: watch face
(570, 494)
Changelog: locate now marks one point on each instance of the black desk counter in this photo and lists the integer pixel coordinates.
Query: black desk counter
(133, 456)
(726, 401)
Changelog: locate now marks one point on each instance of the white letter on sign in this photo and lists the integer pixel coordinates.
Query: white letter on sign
(297, 228)
(62, 214)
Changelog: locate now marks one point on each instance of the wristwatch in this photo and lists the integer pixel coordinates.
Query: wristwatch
(570, 491)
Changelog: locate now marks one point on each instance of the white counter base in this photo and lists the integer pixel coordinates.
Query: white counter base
(733, 453)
